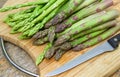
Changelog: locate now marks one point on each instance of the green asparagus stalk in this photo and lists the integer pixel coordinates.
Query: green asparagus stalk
(86, 32)
(100, 27)
(20, 17)
(60, 50)
(39, 34)
(46, 12)
(11, 24)
(14, 15)
(47, 5)
(29, 10)
(28, 15)
(98, 39)
(83, 13)
(42, 9)
(80, 22)
(64, 12)
(59, 54)
(85, 4)
(51, 52)
(42, 16)
(41, 25)
(16, 27)
(51, 34)
(41, 41)
(23, 5)
(11, 17)
(37, 12)
(110, 15)
(42, 55)
(24, 37)
(6, 20)
(69, 45)
(22, 23)
(16, 20)
(86, 37)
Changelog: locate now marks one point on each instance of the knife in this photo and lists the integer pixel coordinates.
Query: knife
(107, 46)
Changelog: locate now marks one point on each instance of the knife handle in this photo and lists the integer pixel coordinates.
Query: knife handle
(114, 41)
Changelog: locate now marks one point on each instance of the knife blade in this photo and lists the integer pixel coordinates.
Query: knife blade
(107, 46)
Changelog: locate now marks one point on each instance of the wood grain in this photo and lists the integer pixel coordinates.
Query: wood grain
(100, 66)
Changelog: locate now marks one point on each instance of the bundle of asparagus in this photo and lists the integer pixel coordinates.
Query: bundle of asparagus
(93, 32)
(94, 8)
(63, 24)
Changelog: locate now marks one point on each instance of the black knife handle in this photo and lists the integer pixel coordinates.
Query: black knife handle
(114, 41)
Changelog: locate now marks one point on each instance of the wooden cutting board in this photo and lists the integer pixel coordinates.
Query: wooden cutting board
(100, 66)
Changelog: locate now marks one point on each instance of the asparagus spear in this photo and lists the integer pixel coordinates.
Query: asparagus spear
(15, 21)
(14, 15)
(51, 34)
(39, 34)
(37, 12)
(21, 17)
(23, 37)
(60, 50)
(17, 28)
(29, 10)
(47, 11)
(91, 17)
(59, 54)
(44, 8)
(42, 16)
(84, 4)
(86, 37)
(65, 47)
(51, 52)
(42, 55)
(64, 12)
(29, 16)
(47, 5)
(100, 27)
(98, 39)
(41, 25)
(11, 24)
(26, 18)
(23, 5)
(40, 41)
(83, 13)
(110, 15)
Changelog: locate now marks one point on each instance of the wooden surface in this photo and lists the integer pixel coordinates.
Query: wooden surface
(100, 66)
